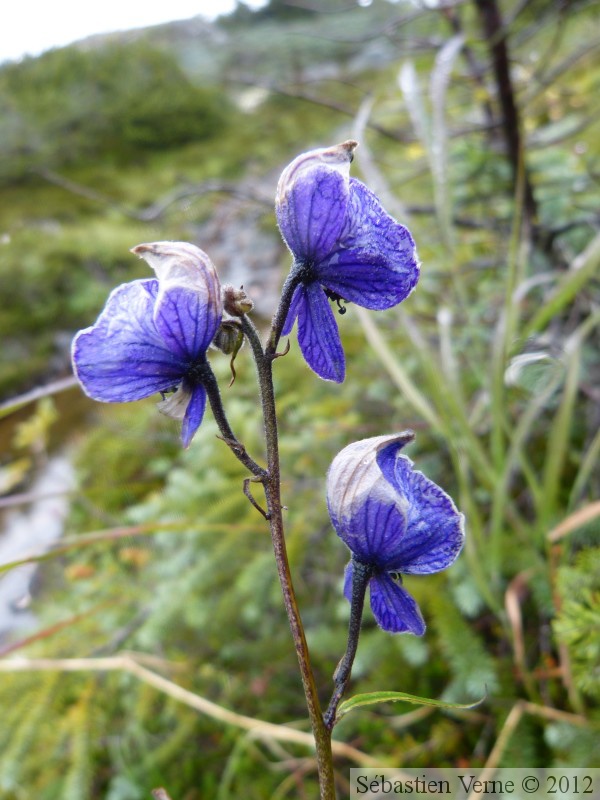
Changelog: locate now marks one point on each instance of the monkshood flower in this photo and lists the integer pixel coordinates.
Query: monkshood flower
(394, 520)
(152, 335)
(345, 248)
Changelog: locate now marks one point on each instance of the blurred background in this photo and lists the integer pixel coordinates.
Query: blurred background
(478, 128)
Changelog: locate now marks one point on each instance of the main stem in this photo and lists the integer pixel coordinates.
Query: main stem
(273, 494)
(272, 485)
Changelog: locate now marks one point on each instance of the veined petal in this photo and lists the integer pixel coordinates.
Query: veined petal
(193, 415)
(312, 196)
(312, 213)
(366, 511)
(434, 532)
(393, 608)
(375, 262)
(373, 530)
(318, 335)
(122, 357)
(187, 320)
(298, 298)
(348, 578)
(182, 264)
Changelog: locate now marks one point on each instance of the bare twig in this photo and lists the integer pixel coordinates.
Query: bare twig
(574, 521)
(510, 725)
(491, 21)
(156, 210)
(259, 729)
(15, 403)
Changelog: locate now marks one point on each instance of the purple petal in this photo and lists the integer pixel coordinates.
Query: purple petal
(434, 532)
(312, 211)
(348, 577)
(318, 334)
(368, 513)
(183, 264)
(375, 262)
(297, 300)
(393, 608)
(187, 320)
(122, 357)
(193, 415)
(373, 529)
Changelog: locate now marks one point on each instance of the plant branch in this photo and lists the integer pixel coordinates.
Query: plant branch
(361, 575)
(272, 485)
(216, 404)
(492, 25)
(124, 662)
(289, 287)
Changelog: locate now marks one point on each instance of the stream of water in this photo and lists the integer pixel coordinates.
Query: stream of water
(30, 530)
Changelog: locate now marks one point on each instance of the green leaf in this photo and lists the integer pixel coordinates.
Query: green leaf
(370, 698)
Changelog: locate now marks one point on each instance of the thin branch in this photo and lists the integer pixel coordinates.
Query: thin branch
(15, 403)
(492, 25)
(296, 94)
(543, 82)
(216, 404)
(475, 68)
(361, 575)
(156, 210)
(125, 663)
(575, 521)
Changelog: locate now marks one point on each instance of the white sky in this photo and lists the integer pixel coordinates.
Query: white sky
(29, 28)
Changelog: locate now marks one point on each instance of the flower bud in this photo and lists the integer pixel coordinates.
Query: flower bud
(235, 301)
(229, 337)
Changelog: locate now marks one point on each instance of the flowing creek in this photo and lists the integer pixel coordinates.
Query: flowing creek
(32, 529)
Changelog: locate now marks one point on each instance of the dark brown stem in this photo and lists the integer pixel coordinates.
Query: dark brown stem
(272, 485)
(227, 435)
(452, 15)
(495, 34)
(361, 575)
(289, 287)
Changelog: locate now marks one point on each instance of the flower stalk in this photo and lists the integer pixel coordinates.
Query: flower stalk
(361, 575)
(272, 485)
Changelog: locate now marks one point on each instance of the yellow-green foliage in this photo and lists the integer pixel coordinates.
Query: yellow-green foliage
(492, 361)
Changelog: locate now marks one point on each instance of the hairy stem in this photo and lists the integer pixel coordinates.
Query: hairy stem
(216, 404)
(289, 287)
(272, 485)
(361, 574)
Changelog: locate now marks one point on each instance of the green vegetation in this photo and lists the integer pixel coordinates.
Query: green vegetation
(493, 361)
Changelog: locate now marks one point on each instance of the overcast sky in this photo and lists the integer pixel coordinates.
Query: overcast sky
(30, 28)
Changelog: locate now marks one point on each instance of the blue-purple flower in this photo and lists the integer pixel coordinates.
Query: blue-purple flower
(152, 335)
(345, 248)
(394, 520)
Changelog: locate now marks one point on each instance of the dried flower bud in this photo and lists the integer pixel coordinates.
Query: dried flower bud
(235, 301)
(229, 337)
